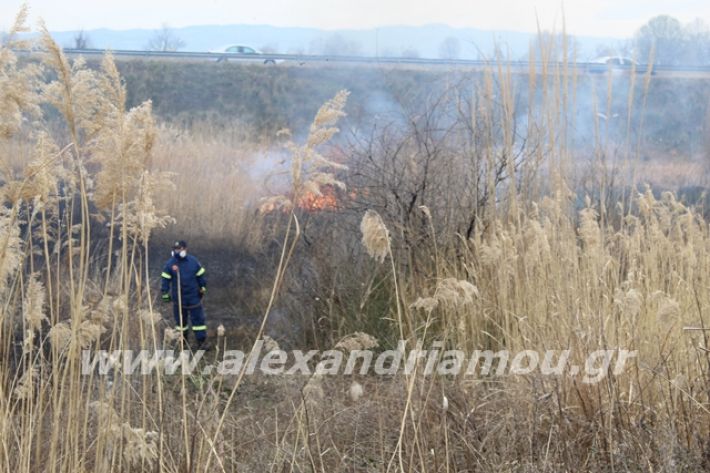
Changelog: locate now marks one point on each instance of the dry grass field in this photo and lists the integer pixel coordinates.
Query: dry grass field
(475, 219)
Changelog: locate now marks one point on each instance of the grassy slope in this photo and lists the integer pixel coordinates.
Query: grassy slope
(270, 98)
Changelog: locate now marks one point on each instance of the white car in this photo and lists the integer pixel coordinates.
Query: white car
(240, 52)
(615, 63)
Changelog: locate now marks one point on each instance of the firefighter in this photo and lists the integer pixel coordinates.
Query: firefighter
(183, 271)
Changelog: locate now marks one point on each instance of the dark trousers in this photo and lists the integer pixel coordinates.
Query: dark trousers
(196, 316)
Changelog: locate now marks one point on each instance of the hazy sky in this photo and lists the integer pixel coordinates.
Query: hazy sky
(618, 18)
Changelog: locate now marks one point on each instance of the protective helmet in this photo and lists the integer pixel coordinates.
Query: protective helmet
(179, 244)
(179, 249)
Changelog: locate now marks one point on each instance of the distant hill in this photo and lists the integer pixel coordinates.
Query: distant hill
(423, 41)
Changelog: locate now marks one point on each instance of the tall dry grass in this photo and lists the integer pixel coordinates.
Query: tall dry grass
(217, 176)
(537, 273)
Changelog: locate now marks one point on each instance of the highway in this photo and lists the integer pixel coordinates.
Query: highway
(291, 59)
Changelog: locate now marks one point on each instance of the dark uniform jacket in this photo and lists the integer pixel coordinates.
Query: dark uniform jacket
(191, 279)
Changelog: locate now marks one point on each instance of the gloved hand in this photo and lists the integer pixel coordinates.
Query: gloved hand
(203, 291)
(166, 297)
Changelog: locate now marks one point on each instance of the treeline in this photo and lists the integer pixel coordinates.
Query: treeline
(666, 41)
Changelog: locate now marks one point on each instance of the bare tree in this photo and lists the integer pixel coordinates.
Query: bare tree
(450, 48)
(269, 48)
(81, 40)
(431, 151)
(165, 39)
(336, 45)
(662, 39)
(697, 41)
(553, 46)
(411, 53)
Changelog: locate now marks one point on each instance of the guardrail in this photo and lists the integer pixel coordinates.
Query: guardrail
(584, 66)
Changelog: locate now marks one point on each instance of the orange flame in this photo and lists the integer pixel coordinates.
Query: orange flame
(312, 202)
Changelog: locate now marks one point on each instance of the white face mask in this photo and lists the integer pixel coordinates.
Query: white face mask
(181, 254)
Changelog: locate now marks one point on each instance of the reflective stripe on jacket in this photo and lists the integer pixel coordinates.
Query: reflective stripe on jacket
(191, 275)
